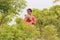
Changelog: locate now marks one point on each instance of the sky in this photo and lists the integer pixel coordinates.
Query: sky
(39, 4)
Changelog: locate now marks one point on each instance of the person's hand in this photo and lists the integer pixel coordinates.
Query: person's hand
(27, 16)
(31, 22)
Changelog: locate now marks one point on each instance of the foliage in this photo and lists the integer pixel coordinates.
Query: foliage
(18, 31)
(48, 16)
(50, 33)
(47, 26)
(9, 8)
(30, 32)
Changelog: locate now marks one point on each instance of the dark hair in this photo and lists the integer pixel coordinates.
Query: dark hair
(29, 9)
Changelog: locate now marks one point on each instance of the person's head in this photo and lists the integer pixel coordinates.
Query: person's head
(29, 11)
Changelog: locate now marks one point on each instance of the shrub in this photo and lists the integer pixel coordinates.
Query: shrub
(18, 31)
(50, 33)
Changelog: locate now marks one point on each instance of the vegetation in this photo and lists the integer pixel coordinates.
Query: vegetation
(48, 17)
(19, 31)
(10, 8)
(46, 28)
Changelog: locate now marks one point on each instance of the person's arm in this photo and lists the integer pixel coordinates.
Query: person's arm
(33, 21)
(25, 19)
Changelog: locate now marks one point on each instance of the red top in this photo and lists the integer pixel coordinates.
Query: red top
(32, 18)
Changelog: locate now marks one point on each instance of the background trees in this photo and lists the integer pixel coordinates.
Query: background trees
(48, 17)
(9, 8)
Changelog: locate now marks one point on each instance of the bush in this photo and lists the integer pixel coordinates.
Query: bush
(18, 31)
(50, 33)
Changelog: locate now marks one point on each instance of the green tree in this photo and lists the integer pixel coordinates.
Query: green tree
(56, 21)
(48, 16)
(9, 8)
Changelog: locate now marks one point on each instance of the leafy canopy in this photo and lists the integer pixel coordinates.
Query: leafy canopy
(9, 8)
